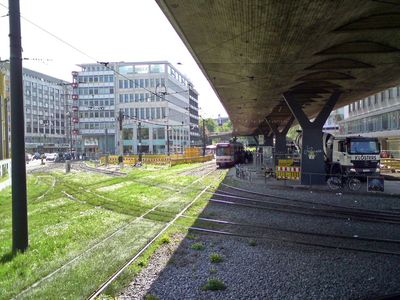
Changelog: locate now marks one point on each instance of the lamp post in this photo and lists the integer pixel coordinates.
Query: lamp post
(161, 90)
(167, 139)
(140, 140)
(204, 138)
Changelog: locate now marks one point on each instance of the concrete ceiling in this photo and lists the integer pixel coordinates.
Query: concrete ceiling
(253, 51)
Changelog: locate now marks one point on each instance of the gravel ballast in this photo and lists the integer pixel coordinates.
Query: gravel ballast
(265, 269)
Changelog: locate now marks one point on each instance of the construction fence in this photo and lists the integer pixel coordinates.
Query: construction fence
(190, 155)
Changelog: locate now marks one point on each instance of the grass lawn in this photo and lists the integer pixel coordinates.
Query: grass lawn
(83, 226)
(3, 178)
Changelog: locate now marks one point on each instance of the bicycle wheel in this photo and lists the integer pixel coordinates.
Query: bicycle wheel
(354, 184)
(334, 183)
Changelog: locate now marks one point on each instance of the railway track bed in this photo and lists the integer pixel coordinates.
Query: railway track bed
(269, 253)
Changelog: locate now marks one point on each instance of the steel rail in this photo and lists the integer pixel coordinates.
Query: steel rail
(96, 244)
(292, 241)
(292, 211)
(274, 228)
(106, 283)
(302, 201)
(348, 212)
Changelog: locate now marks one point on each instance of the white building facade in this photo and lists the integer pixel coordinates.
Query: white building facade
(157, 105)
(376, 116)
(47, 101)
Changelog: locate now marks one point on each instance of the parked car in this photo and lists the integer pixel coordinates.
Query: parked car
(51, 156)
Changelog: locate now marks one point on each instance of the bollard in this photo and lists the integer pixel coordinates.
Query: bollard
(67, 166)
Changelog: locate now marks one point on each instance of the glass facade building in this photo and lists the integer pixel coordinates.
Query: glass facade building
(376, 116)
(157, 103)
(47, 101)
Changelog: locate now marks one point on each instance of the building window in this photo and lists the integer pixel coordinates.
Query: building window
(144, 133)
(126, 69)
(141, 69)
(127, 134)
(159, 68)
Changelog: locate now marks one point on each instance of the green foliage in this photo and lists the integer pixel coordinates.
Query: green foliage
(151, 297)
(81, 221)
(214, 284)
(227, 126)
(292, 133)
(165, 240)
(191, 236)
(253, 242)
(197, 246)
(216, 258)
(209, 123)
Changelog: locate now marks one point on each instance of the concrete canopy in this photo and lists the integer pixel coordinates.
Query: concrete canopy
(253, 51)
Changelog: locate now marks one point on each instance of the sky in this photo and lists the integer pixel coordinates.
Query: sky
(101, 30)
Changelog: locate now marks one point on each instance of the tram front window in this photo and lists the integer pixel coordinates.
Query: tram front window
(223, 151)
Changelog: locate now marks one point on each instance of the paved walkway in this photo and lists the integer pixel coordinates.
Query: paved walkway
(392, 186)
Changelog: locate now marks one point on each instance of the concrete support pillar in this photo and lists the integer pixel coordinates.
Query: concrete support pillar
(280, 136)
(269, 139)
(312, 152)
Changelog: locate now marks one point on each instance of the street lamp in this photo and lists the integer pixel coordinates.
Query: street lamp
(140, 140)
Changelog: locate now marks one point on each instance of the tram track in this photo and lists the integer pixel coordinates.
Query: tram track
(312, 203)
(115, 275)
(309, 208)
(293, 241)
(264, 227)
(120, 229)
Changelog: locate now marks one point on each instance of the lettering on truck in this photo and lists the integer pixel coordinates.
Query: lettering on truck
(365, 157)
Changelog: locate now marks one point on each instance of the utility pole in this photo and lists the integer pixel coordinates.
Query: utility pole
(140, 140)
(106, 138)
(106, 147)
(167, 139)
(204, 138)
(18, 174)
(70, 133)
(120, 121)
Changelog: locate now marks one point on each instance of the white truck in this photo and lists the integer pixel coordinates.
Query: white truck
(350, 155)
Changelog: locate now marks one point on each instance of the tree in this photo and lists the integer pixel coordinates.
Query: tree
(211, 125)
(292, 133)
(227, 126)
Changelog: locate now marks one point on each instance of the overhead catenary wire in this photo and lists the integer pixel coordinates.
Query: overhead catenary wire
(92, 58)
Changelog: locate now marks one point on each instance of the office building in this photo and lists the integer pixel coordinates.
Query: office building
(376, 116)
(46, 101)
(157, 104)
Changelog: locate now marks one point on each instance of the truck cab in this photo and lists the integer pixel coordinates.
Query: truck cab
(359, 155)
